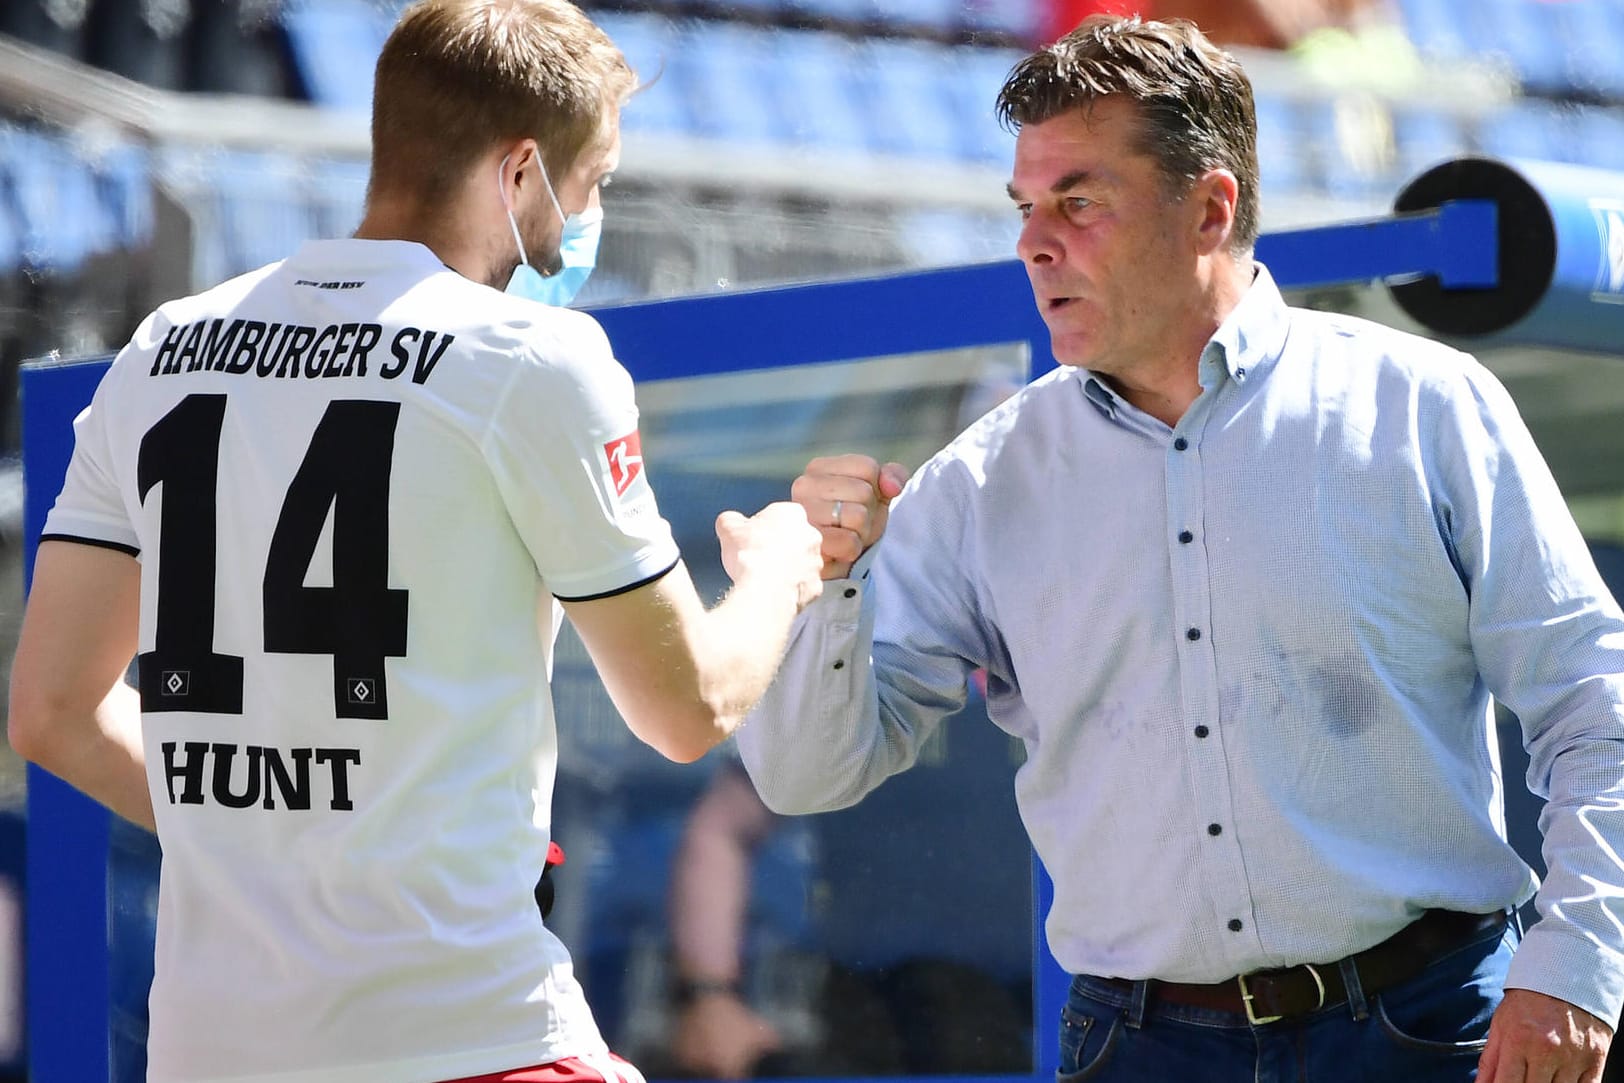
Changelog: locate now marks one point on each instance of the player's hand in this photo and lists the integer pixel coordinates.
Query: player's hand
(719, 1037)
(776, 542)
(848, 498)
(1534, 1038)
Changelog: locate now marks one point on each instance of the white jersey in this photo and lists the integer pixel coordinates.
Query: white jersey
(358, 483)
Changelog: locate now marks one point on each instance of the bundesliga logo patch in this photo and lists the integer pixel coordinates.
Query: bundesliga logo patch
(625, 461)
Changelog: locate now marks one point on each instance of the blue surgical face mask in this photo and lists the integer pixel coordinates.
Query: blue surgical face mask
(577, 251)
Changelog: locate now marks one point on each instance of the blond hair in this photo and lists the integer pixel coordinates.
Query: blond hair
(457, 77)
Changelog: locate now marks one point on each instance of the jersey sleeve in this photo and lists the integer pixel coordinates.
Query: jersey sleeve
(565, 450)
(91, 508)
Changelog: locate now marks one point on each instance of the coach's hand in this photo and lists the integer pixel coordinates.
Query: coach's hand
(848, 498)
(776, 542)
(1535, 1038)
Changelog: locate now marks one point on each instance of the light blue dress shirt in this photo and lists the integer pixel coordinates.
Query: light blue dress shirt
(1251, 658)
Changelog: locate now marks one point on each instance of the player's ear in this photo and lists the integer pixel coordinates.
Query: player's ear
(523, 159)
(519, 173)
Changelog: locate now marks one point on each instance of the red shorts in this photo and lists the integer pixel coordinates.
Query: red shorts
(568, 1070)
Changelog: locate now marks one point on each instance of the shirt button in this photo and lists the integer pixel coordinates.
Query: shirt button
(1185, 537)
(851, 592)
(840, 665)
(1202, 731)
(1180, 444)
(1193, 634)
(1235, 925)
(1215, 829)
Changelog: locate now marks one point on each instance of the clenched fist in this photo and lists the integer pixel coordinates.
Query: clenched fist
(776, 543)
(848, 497)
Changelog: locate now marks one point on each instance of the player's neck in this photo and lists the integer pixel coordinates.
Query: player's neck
(453, 240)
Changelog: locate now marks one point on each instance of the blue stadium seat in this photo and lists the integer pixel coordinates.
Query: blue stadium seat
(771, 10)
(11, 241)
(122, 175)
(941, 16)
(1435, 28)
(1523, 34)
(847, 11)
(1598, 137)
(650, 43)
(907, 102)
(337, 195)
(1589, 36)
(265, 213)
(335, 45)
(59, 215)
(1424, 137)
(975, 95)
(1018, 19)
(727, 70)
(185, 174)
(815, 83)
(1527, 129)
(1283, 165)
(1350, 139)
(15, 146)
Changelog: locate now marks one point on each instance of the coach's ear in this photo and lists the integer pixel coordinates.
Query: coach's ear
(1212, 201)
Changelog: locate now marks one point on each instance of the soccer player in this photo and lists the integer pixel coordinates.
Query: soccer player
(338, 508)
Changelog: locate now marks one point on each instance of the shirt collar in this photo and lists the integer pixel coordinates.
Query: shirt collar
(1244, 347)
(1248, 342)
(356, 254)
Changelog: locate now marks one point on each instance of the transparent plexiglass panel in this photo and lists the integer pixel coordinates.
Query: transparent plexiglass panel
(892, 938)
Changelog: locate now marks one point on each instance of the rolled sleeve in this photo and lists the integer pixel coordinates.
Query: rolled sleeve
(813, 743)
(1549, 642)
(871, 669)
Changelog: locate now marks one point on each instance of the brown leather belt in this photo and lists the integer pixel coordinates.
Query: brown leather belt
(1267, 995)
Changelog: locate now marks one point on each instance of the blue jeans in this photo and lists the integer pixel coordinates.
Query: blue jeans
(1429, 1029)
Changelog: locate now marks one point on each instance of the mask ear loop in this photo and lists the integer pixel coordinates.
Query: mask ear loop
(524, 257)
(552, 195)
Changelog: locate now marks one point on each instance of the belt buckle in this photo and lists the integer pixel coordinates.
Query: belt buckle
(1259, 1020)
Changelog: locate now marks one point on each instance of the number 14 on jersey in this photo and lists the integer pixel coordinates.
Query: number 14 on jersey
(358, 620)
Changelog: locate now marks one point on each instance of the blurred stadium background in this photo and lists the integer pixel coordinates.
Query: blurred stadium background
(152, 147)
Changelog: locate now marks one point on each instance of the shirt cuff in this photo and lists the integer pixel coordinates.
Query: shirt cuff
(1570, 967)
(842, 599)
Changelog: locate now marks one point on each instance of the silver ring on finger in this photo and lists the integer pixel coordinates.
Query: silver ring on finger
(838, 505)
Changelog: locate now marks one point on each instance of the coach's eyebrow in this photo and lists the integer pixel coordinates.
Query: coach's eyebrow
(1071, 180)
(1065, 183)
